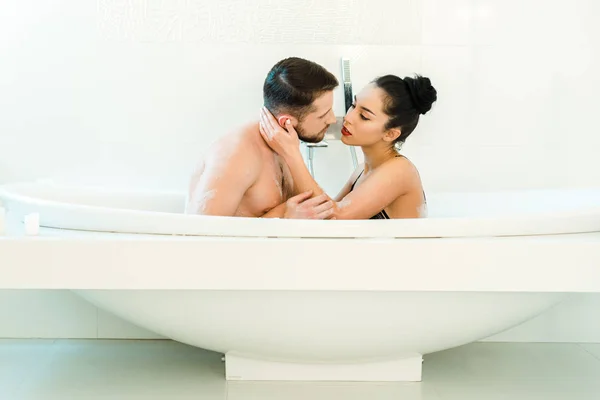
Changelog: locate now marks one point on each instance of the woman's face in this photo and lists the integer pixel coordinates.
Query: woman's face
(364, 123)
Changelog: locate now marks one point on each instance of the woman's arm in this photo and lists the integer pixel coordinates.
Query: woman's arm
(348, 186)
(384, 185)
(303, 180)
(381, 188)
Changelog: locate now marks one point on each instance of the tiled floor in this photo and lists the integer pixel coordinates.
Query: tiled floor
(159, 369)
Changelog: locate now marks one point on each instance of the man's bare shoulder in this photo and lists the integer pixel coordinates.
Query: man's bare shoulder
(240, 142)
(230, 167)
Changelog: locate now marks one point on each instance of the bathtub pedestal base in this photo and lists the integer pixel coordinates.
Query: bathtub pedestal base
(240, 368)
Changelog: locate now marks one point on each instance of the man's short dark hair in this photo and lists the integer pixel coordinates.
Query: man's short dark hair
(293, 84)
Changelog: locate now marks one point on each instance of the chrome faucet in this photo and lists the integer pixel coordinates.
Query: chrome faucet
(311, 152)
(348, 102)
(334, 130)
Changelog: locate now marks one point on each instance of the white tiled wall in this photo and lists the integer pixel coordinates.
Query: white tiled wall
(131, 92)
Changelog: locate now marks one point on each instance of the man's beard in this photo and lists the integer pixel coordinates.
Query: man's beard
(310, 139)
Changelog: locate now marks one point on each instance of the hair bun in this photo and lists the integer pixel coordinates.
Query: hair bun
(422, 93)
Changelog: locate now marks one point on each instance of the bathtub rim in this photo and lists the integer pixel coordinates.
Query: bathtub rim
(82, 217)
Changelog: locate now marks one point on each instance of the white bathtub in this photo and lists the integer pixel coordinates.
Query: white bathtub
(310, 300)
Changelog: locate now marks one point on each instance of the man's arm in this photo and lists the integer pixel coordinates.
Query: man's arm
(227, 175)
(302, 206)
(276, 212)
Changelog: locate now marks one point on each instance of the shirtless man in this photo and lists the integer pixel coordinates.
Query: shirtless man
(241, 176)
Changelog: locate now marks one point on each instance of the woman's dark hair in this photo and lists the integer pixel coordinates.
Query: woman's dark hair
(294, 83)
(406, 99)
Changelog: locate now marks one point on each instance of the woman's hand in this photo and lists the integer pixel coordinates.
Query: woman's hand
(284, 142)
(303, 207)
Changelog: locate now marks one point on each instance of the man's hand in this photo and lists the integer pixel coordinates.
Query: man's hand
(303, 207)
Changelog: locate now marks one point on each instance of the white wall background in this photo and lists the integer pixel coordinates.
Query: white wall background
(131, 92)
